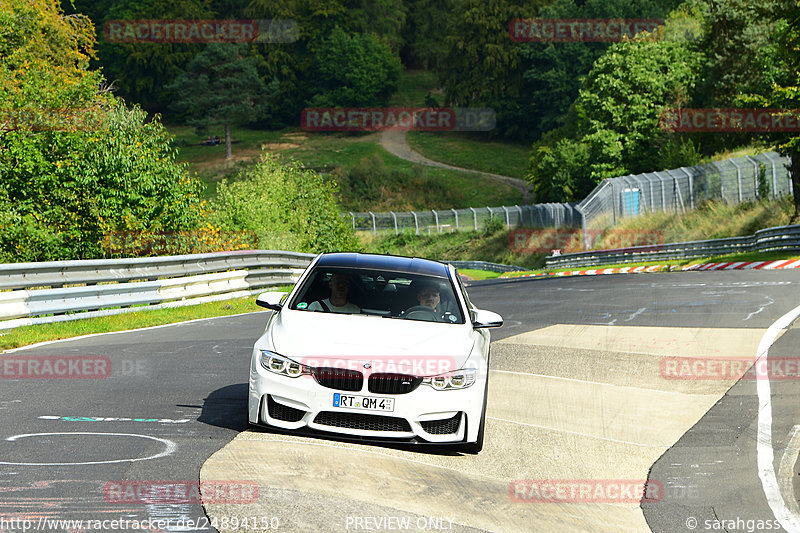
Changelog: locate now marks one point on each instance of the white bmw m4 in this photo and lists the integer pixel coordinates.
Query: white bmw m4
(374, 347)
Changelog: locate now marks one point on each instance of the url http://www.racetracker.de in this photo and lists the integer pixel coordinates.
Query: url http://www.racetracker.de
(127, 524)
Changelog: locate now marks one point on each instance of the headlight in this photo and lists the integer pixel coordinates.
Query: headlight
(459, 379)
(284, 366)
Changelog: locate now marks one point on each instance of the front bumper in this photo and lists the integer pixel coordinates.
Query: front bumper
(422, 415)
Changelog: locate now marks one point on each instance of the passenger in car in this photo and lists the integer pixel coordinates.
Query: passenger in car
(337, 302)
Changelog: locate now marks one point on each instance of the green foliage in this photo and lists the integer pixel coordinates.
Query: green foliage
(370, 185)
(140, 72)
(64, 192)
(560, 173)
(75, 164)
(44, 58)
(618, 128)
(425, 48)
(294, 63)
(288, 207)
(553, 71)
(354, 70)
(221, 86)
(482, 65)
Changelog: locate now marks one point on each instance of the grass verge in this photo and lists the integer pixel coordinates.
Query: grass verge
(26, 335)
(472, 150)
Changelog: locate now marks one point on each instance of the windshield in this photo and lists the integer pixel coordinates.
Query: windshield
(379, 293)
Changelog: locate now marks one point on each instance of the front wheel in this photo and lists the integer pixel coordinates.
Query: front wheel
(475, 447)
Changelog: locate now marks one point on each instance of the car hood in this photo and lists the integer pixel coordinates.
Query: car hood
(317, 339)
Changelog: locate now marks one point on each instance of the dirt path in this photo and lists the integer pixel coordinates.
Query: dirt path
(396, 144)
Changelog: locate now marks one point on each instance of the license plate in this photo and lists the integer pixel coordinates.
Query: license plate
(363, 403)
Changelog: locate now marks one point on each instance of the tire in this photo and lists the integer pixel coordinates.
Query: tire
(474, 448)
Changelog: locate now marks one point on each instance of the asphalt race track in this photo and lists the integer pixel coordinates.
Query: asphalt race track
(595, 393)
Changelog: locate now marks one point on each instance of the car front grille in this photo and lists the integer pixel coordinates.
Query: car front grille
(283, 412)
(386, 383)
(447, 426)
(361, 421)
(339, 378)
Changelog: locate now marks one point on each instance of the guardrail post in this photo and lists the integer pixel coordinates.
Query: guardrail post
(508, 220)
(475, 216)
(416, 222)
(520, 215)
(436, 217)
(394, 217)
(456, 215)
(354, 220)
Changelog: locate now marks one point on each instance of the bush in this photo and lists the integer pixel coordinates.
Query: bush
(288, 207)
(64, 192)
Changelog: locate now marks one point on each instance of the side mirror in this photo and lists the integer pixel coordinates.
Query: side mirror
(486, 319)
(271, 300)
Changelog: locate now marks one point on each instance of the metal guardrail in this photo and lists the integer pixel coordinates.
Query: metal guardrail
(112, 286)
(484, 265)
(781, 238)
(59, 273)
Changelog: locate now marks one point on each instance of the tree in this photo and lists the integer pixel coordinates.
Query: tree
(75, 164)
(554, 70)
(788, 94)
(426, 21)
(354, 70)
(623, 97)
(294, 63)
(482, 66)
(140, 71)
(221, 86)
(617, 116)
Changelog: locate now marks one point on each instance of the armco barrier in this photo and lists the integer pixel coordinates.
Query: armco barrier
(112, 286)
(484, 265)
(782, 238)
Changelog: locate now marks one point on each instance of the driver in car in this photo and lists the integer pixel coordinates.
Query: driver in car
(337, 303)
(428, 295)
(428, 302)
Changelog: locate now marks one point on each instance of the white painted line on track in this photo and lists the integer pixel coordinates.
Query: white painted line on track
(766, 454)
(587, 435)
(574, 380)
(169, 448)
(786, 470)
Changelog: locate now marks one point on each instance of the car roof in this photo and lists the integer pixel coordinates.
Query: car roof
(391, 263)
